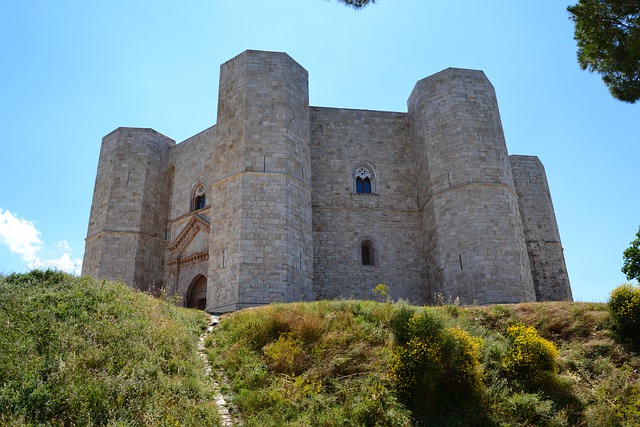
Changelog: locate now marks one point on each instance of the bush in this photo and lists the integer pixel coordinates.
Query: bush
(624, 309)
(530, 409)
(463, 370)
(631, 255)
(530, 358)
(438, 370)
(623, 410)
(38, 278)
(287, 355)
(417, 361)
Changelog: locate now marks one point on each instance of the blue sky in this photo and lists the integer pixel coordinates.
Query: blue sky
(72, 71)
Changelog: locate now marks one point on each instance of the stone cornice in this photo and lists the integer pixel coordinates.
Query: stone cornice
(176, 263)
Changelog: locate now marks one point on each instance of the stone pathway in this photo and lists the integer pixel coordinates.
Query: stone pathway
(223, 408)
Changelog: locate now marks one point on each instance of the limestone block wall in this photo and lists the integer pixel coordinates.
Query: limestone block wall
(541, 230)
(187, 255)
(193, 164)
(474, 240)
(275, 267)
(263, 149)
(129, 212)
(340, 141)
(226, 189)
(188, 274)
(103, 262)
(224, 271)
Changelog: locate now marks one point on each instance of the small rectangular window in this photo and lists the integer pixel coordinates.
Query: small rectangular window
(367, 253)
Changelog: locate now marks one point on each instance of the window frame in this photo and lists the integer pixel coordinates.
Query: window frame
(363, 178)
(198, 198)
(370, 255)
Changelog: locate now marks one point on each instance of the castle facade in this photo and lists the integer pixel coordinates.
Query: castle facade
(280, 201)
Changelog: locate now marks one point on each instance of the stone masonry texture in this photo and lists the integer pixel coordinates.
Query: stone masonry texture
(541, 230)
(264, 205)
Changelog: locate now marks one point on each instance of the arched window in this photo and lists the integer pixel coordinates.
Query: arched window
(199, 199)
(363, 180)
(366, 252)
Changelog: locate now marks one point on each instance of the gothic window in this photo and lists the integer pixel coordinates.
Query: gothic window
(199, 199)
(363, 180)
(366, 251)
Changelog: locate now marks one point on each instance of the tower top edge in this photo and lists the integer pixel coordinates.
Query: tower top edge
(262, 55)
(453, 73)
(524, 159)
(122, 129)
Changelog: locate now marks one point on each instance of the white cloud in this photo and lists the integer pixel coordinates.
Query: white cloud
(20, 235)
(63, 246)
(22, 238)
(63, 262)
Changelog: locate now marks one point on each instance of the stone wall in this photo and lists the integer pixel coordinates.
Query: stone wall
(474, 238)
(191, 166)
(129, 212)
(261, 192)
(341, 140)
(541, 230)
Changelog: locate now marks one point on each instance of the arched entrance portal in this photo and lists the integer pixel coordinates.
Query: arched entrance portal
(197, 294)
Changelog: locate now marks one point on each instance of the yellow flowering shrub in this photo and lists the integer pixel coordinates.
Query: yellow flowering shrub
(530, 358)
(463, 367)
(624, 309)
(436, 359)
(418, 359)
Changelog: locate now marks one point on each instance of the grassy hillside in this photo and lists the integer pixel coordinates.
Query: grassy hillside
(77, 352)
(355, 363)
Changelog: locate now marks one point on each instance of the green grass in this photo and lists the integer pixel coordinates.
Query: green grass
(316, 364)
(79, 352)
(332, 363)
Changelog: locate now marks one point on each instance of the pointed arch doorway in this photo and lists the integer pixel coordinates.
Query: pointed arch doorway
(197, 293)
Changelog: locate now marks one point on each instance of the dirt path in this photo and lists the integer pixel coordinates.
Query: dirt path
(223, 408)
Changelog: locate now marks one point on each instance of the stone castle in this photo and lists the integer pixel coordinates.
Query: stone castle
(280, 201)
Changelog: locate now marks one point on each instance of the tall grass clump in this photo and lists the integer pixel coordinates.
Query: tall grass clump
(322, 363)
(76, 351)
(624, 309)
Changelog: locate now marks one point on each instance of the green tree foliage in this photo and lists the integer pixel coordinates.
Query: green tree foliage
(357, 4)
(631, 256)
(608, 36)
